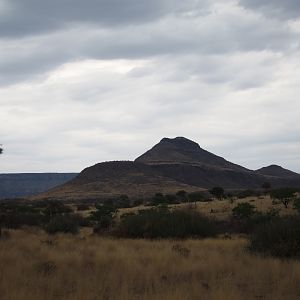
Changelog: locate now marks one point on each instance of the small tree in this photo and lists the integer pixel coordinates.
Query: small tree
(284, 195)
(217, 192)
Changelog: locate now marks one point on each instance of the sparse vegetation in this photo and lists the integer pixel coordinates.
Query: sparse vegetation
(284, 195)
(63, 223)
(243, 211)
(280, 237)
(217, 192)
(162, 223)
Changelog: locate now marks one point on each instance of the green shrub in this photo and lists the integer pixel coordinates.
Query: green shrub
(63, 223)
(103, 225)
(243, 211)
(162, 223)
(280, 237)
(103, 210)
(217, 192)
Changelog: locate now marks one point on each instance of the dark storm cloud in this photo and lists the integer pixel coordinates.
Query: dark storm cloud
(22, 59)
(276, 8)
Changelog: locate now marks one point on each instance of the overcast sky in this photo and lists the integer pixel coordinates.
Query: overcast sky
(88, 81)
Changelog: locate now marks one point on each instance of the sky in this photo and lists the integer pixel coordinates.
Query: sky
(83, 82)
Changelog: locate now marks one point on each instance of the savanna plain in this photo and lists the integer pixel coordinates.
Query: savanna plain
(35, 265)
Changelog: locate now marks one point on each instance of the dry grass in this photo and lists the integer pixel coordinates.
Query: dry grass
(34, 266)
(221, 210)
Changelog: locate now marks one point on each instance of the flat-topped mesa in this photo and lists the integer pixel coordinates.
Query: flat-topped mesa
(181, 150)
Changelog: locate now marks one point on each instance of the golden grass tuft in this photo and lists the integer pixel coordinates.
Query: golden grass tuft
(35, 266)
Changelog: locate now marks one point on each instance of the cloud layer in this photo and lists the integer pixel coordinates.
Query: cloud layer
(83, 82)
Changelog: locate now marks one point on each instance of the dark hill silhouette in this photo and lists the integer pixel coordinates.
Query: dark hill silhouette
(112, 179)
(277, 171)
(171, 165)
(181, 150)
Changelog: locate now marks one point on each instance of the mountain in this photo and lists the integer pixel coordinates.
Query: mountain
(171, 165)
(277, 171)
(185, 161)
(27, 184)
(112, 179)
(181, 150)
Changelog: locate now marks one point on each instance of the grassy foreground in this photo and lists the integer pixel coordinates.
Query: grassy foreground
(35, 266)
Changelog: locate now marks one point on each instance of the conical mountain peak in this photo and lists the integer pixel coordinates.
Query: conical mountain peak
(181, 150)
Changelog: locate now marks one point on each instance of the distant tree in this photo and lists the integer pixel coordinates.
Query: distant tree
(182, 195)
(158, 198)
(1, 150)
(54, 208)
(266, 186)
(217, 192)
(284, 195)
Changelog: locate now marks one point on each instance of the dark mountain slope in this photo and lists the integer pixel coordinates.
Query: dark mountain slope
(171, 165)
(185, 161)
(277, 171)
(181, 150)
(112, 179)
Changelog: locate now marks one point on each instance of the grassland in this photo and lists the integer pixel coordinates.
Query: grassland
(34, 266)
(221, 210)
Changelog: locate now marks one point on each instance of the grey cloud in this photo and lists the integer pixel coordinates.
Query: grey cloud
(21, 59)
(23, 17)
(287, 9)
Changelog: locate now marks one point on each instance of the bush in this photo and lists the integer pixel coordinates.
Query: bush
(297, 204)
(162, 223)
(280, 238)
(248, 193)
(196, 196)
(284, 195)
(243, 211)
(54, 208)
(217, 192)
(103, 225)
(83, 207)
(63, 223)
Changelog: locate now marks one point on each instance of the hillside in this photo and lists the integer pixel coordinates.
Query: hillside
(27, 184)
(171, 165)
(112, 179)
(185, 161)
(277, 171)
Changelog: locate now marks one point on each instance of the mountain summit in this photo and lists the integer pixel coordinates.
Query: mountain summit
(181, 150)
(277, 171)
